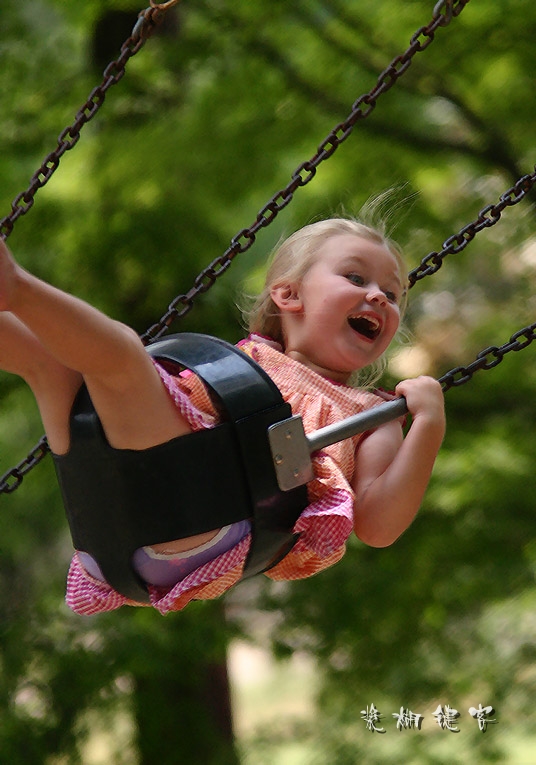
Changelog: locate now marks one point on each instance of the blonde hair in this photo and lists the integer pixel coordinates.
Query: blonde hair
(293, 258)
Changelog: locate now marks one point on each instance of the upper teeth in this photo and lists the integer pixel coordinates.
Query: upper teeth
(372, 320)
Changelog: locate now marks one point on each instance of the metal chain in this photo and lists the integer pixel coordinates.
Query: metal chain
(487, 217)
(11, 480)
(488, 358)
(361, 109)
(147, 22)
(485, 360)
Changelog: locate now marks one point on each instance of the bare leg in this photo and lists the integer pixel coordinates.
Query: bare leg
(54, 385)
(55, 341)
(75, 341)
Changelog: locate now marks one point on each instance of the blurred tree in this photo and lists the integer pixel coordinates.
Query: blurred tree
(211, 119)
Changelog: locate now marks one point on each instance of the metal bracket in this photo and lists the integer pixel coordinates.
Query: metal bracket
(290, 453)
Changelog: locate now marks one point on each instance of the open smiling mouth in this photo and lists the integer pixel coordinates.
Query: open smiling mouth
(368, 326)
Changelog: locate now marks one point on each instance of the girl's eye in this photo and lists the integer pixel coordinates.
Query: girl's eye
(391, 297)
(355, 279)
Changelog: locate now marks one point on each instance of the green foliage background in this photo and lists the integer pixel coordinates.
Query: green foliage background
(211, 119)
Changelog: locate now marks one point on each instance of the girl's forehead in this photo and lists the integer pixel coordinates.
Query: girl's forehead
(342, 249)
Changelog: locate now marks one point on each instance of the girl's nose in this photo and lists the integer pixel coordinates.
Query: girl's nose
(376, 295)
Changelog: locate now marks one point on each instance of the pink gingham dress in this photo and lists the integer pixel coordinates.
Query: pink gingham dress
(325, 524)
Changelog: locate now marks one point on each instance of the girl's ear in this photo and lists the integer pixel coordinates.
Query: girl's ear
(287, 297)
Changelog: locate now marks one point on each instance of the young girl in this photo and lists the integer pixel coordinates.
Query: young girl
(331, 306)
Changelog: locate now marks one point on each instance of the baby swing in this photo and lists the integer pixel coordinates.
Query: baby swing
(259, 454)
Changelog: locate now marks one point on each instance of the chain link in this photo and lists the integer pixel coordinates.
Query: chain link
(147, 22)
(13, 478)
(449, 10)
(488, 358)
(486, 218)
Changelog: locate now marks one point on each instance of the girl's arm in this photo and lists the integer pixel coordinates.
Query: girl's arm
(392, 472)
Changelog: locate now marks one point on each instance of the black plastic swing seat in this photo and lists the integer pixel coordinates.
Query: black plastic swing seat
(118, 500)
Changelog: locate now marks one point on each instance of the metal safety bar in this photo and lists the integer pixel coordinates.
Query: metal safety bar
(292, 448)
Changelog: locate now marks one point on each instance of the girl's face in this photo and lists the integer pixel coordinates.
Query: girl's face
(346, 310)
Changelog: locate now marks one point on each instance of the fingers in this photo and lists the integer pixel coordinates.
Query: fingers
(424, 397)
